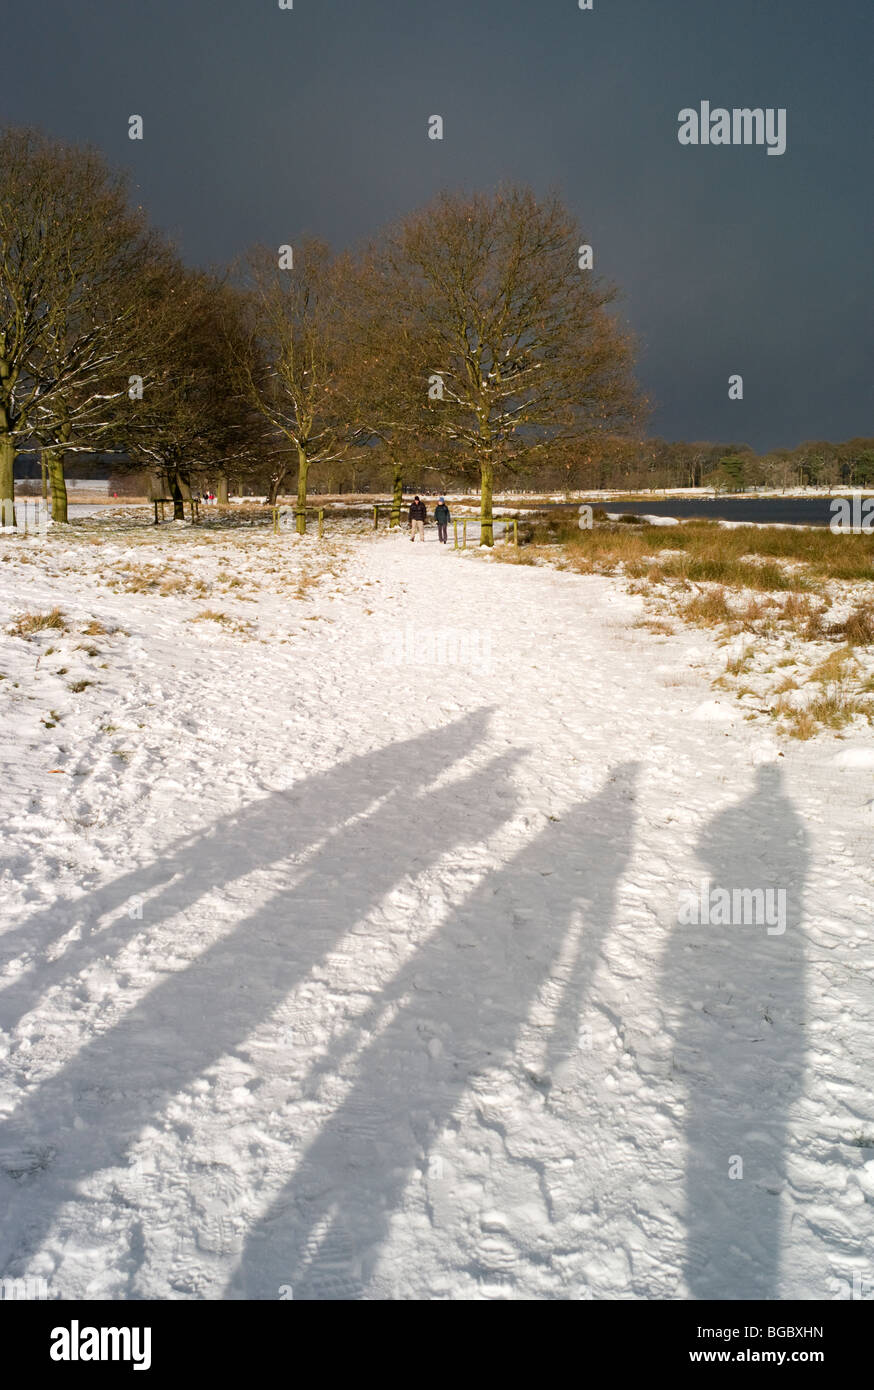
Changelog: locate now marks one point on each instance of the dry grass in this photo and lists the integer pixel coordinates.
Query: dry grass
(308, 579)
(838, 700)
(739, 663)
(657, 625)
(759, 558)
(804, 616)
(775, 583)
(836, 667)
(802, 725)
(145, 578)
(709, 609)
(858, 628)
(212, 615)
(27, 623)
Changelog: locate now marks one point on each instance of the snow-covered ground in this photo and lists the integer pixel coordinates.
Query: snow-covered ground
(340, 948)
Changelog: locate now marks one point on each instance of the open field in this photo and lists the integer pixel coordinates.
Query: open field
(793, 607)
(340, 941)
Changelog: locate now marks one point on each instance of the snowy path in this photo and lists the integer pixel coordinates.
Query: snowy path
(339, 965)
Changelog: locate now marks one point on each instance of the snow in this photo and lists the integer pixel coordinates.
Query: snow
(855, 757)
(324, 964)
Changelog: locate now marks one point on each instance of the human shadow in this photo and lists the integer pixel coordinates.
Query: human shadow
(364, 824)
(271, 833)
(454, 1015)
(736, 994)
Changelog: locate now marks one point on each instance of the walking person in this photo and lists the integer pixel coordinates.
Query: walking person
(442, 517)
(418, 513)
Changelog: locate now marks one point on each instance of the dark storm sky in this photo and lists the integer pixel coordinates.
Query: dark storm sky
(262, 123)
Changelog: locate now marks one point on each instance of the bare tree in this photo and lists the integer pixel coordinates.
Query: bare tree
(188, 420)
(71, 251)
(384, 368)
(520, 349)
(289, 365)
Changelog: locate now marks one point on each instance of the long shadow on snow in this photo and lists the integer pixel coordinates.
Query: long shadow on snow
(469, 988)
(268, 834)
(123, 1078)
(740, 1047)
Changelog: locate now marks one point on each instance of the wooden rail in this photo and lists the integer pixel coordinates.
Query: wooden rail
(298, 512)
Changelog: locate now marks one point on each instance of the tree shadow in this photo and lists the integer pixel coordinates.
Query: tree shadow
(738, 999)
(364, 823)
(454, 1015)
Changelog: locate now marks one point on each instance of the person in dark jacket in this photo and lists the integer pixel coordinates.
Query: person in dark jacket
(418, 513)
(441, 516)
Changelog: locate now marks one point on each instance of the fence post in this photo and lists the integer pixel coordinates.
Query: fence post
(464, 534)
(276, 521)
(376, 516)
(321, 519)
(515, 531)
(455, 533)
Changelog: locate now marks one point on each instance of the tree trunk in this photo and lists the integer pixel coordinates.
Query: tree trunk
(54, 462)
(177, 494)
(222, 489)
(274, 489)
(487, 533)
(45, 475)
(397, 499)
(7, 479)
(302, 470)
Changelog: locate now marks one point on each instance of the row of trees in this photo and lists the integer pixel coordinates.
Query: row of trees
(468, 341)
(469, 345)
(636, 463)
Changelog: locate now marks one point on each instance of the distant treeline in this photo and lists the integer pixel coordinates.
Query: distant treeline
(601, 464)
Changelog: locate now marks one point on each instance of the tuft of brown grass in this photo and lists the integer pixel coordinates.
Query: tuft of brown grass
(858, 628)
(802, 726)
(756, 612)
(836, 667)
(707, 609)
(656, 625)
(212, 615)
(804, 616)
(739, 663)
(27, 623)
